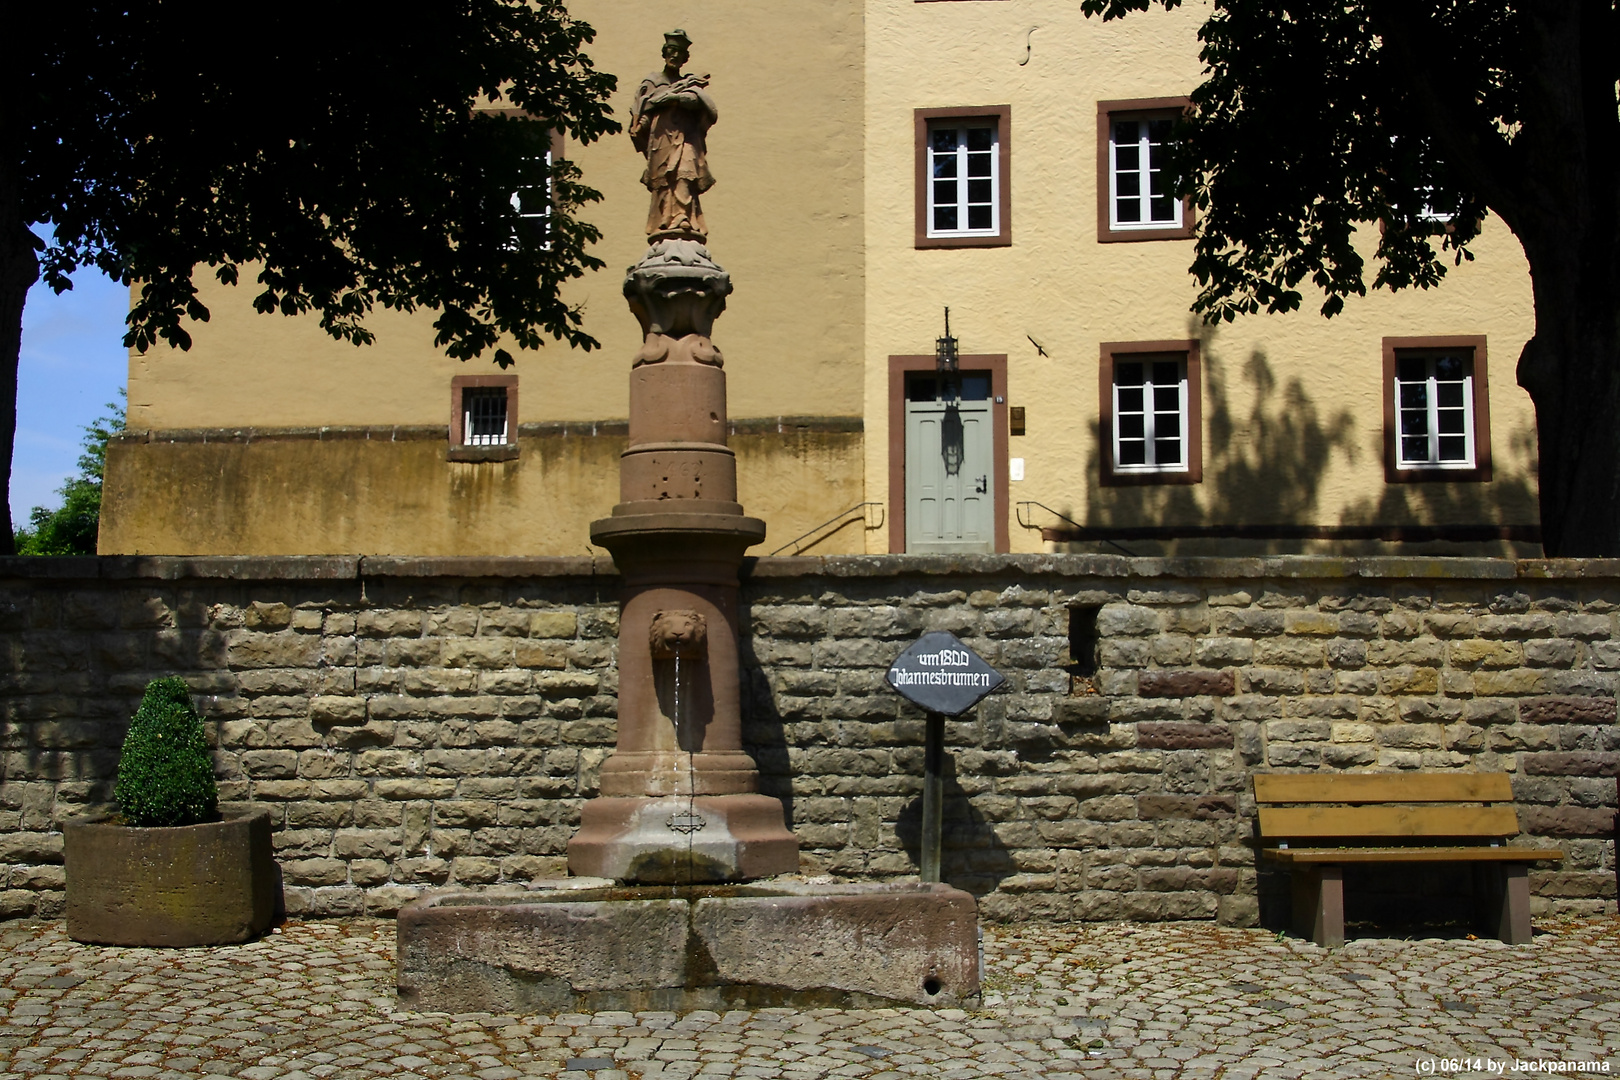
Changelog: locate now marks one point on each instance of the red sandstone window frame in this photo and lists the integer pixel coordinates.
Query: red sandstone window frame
(1193, 436)
(554, 154)
(1481, 402)
(1133, 109)
(458, 449)
(1002, 117)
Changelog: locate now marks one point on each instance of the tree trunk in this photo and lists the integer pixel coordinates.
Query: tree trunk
(1567, 216)
(1571, 369)
(18, 270)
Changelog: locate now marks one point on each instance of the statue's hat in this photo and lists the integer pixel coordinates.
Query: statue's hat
(678, 36)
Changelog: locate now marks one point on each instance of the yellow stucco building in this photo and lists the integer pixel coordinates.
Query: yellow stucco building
(877, 162)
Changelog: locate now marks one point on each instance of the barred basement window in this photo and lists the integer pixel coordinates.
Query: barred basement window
(483, 417)
(484, 412)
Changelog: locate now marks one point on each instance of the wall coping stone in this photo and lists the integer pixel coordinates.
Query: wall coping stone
(1207, 568)
(448, 566)
(375, 433)
(1203, 568)
(183, 567)
(747, 425)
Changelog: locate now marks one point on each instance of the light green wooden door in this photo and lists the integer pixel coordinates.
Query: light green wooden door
(950, 481)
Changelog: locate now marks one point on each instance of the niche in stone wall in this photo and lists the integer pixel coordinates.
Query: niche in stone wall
(1082, 665)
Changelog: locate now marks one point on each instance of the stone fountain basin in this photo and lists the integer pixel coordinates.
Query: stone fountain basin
(591, 946)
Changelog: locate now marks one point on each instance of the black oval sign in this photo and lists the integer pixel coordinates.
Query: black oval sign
(942, 675)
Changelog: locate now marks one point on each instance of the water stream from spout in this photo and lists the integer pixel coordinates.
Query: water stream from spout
(683, 739)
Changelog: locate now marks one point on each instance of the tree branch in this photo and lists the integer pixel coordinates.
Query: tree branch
(1444, 95)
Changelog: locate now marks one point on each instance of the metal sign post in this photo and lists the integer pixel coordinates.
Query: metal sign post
(946, 678)
(933, 807)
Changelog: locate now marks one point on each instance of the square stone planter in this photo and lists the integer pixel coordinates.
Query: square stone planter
(208, 884)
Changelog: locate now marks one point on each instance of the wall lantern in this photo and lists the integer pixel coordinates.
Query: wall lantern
(945, 349)
(952, 447)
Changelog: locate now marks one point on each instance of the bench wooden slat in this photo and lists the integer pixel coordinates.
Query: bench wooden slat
(1383, 787)
(1435, 854)
(1313, 821)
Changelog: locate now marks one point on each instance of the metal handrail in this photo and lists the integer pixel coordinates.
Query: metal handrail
(836, 518)
(1019, 513)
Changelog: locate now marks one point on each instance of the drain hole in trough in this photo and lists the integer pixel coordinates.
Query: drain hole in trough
(931, 986)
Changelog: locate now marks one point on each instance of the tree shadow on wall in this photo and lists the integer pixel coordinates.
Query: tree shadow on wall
(764, 731)
(1265, 466)
(1268, 451)
(1511, 500)
(74, 663)
(972, 857)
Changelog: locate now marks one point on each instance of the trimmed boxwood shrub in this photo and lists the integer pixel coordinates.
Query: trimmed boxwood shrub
(165, 776)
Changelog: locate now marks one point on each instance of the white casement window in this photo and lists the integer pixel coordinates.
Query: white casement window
(1139, 193)
(1429, 213)
(483, 416)
(1150, 415)
(1434, 406)
(533, 206)
(1425, 192)
(964, 179)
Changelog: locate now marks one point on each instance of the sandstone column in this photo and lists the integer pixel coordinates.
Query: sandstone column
(679, 797)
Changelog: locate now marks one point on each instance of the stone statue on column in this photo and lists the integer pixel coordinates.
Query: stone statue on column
(679, 801)
(669, 123)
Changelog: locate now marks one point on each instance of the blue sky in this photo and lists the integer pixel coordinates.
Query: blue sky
(73, 364)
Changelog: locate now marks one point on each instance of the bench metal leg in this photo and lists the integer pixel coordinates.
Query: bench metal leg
(1513, 904)
(1319, 904)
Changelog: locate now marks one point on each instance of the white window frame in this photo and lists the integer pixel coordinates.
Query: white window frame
(470, 396)
(1150, 464)
(1429, 213)
(961, 127)
(543, 217)
(1432, 410)
(1148, 166)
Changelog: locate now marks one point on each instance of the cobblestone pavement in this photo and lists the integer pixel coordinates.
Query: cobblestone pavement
(315, 999)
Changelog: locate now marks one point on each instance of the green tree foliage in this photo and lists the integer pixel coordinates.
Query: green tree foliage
(1320, 121)
(165, 776)
(344, 156)
(72, 528)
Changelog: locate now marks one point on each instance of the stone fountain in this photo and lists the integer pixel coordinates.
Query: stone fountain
(664, 907)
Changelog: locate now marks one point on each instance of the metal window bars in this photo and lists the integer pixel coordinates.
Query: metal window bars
(483, 416)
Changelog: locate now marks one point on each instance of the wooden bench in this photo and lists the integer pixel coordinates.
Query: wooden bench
(1395, 818)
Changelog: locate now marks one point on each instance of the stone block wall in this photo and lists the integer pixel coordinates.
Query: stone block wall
(419, 723)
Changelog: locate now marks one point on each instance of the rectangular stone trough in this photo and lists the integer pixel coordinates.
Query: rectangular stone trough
(589, 946)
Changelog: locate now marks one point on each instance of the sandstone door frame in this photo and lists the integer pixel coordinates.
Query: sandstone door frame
(899, 368)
